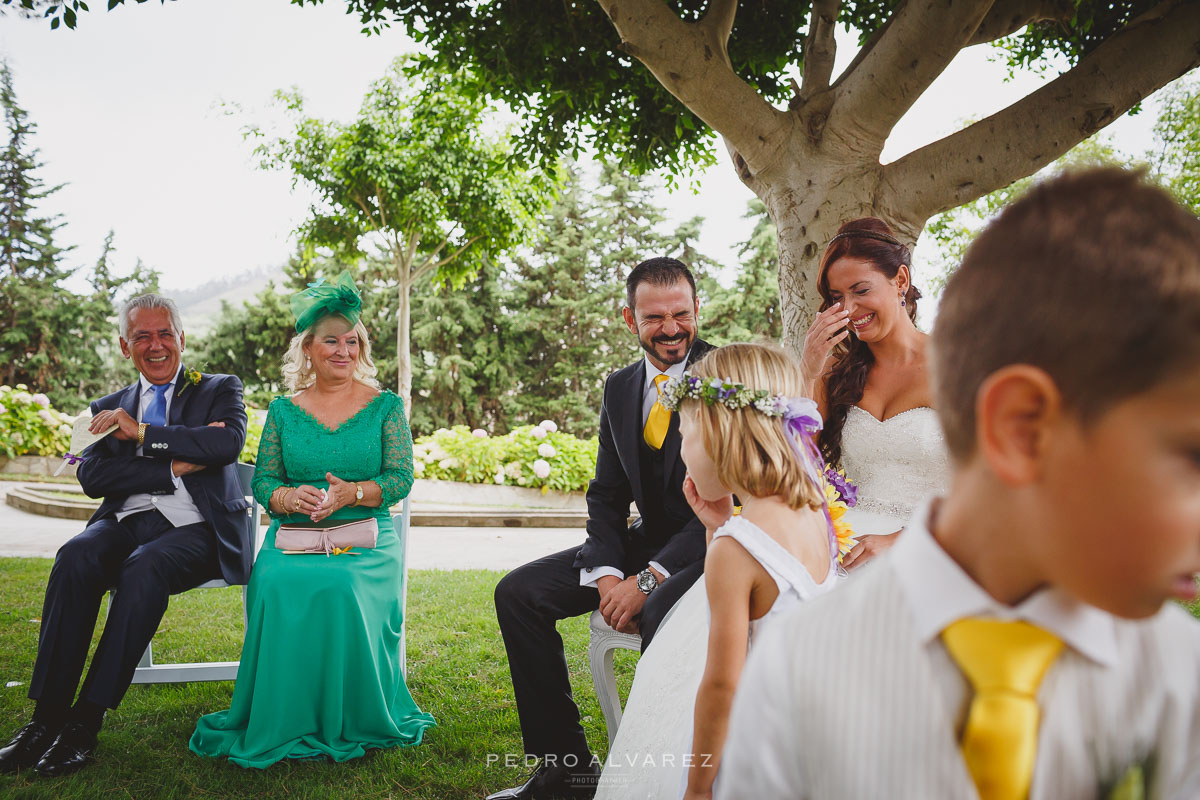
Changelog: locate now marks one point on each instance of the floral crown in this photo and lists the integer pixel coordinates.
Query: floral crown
(732, 395)
(799, 417)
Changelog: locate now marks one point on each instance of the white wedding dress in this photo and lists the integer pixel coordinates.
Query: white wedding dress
(895, 464)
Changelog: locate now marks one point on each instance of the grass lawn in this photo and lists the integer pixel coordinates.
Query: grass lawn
(457, 671)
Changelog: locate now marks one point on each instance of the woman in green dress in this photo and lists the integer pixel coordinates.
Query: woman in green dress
(320, 673)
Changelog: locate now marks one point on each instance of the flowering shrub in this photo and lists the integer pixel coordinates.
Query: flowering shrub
(254, 429)
(538, 456)
(29, 426)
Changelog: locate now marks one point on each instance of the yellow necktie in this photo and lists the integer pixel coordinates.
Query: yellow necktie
(1005, 662)
(659, 419)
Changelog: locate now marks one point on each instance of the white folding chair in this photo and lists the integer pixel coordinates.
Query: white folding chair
(149, 672)
(603, 641)
(400, 521)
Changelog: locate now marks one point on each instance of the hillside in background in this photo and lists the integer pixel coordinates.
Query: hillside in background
(201, 305)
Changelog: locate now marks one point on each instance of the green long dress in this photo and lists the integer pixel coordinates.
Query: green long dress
(320, 671)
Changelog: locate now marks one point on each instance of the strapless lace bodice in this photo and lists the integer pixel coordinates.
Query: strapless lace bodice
(895, 463)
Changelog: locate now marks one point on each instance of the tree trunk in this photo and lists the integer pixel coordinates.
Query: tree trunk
(404, 335)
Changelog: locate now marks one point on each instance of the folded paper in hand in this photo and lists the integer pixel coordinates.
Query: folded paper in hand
(81, 439)
(316, 538)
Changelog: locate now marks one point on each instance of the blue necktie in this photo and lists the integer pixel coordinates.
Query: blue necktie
(156, 414)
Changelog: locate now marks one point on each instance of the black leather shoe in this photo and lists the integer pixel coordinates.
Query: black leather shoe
(26, 747)
(71, 752)
(555, 783)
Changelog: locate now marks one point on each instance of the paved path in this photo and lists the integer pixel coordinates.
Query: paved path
(32, 535)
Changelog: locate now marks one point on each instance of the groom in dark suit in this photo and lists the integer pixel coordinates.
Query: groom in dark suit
(632, 573)
(173, 517)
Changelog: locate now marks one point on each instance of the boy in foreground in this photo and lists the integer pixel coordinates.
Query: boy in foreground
(1018, 642)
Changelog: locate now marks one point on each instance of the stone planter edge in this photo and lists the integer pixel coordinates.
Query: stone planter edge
(425, 491)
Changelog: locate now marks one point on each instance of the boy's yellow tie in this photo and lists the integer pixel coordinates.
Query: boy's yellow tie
(1005, 662)
(659, 419)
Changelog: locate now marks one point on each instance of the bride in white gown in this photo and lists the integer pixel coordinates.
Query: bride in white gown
(894, 457)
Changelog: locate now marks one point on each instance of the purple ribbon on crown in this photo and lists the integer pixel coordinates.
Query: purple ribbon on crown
(801, 424)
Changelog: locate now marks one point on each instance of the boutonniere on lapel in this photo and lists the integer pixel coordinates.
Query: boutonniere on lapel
(190, 377)
(1130, 786)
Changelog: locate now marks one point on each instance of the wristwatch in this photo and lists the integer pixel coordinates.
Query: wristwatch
(358, 494)
(646, 581)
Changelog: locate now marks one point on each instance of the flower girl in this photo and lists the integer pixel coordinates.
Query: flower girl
(746, 432)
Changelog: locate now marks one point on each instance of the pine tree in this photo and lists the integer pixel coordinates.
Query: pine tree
(463, 354)
(570, 289)
(30, 268)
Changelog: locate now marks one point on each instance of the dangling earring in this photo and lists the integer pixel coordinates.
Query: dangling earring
(307, 362)
(902, 301)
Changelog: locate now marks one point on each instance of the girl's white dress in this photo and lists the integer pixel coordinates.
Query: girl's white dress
(895, 463)
(653, 745)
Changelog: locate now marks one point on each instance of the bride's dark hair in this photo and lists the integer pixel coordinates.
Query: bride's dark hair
(869, 239)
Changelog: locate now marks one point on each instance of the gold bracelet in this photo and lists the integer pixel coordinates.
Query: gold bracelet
(275, 496)
(142, 433)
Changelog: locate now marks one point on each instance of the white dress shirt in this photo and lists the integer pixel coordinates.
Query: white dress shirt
(178, 508)
(938, 592)
(588, 576)
(855, 695)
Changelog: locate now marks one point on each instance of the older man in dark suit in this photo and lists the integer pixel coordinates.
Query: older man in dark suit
(632, 573)
(173, 517)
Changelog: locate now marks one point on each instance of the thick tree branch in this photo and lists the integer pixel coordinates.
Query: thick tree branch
(820, 49)
(923, 37)
(687, 59)
(1009, 16)
(718, 22)
(743, 172)
(1151, 51)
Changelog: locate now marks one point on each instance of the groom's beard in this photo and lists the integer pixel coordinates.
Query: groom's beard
(669, 355)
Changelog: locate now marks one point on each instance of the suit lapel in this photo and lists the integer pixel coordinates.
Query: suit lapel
(627, 439)
(129, 401)
(175, 415)
(671, 446)
(672, 442)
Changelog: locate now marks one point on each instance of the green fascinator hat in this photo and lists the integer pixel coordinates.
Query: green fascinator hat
(323, 298)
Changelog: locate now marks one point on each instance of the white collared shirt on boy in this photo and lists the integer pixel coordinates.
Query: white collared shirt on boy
(177, 507)
(854, 694)
(588, 576)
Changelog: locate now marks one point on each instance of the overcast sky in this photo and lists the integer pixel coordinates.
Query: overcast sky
(129, 113)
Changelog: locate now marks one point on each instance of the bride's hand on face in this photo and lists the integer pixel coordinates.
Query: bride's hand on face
(827, 330)
(867, 548)
(713, 513)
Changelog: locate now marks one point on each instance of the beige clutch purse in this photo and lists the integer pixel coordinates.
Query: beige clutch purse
(313, 537)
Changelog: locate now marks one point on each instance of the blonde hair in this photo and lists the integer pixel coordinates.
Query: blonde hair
(745, 444)
(298, 372)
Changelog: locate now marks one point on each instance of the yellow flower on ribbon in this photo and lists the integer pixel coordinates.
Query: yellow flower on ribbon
(841, 526)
